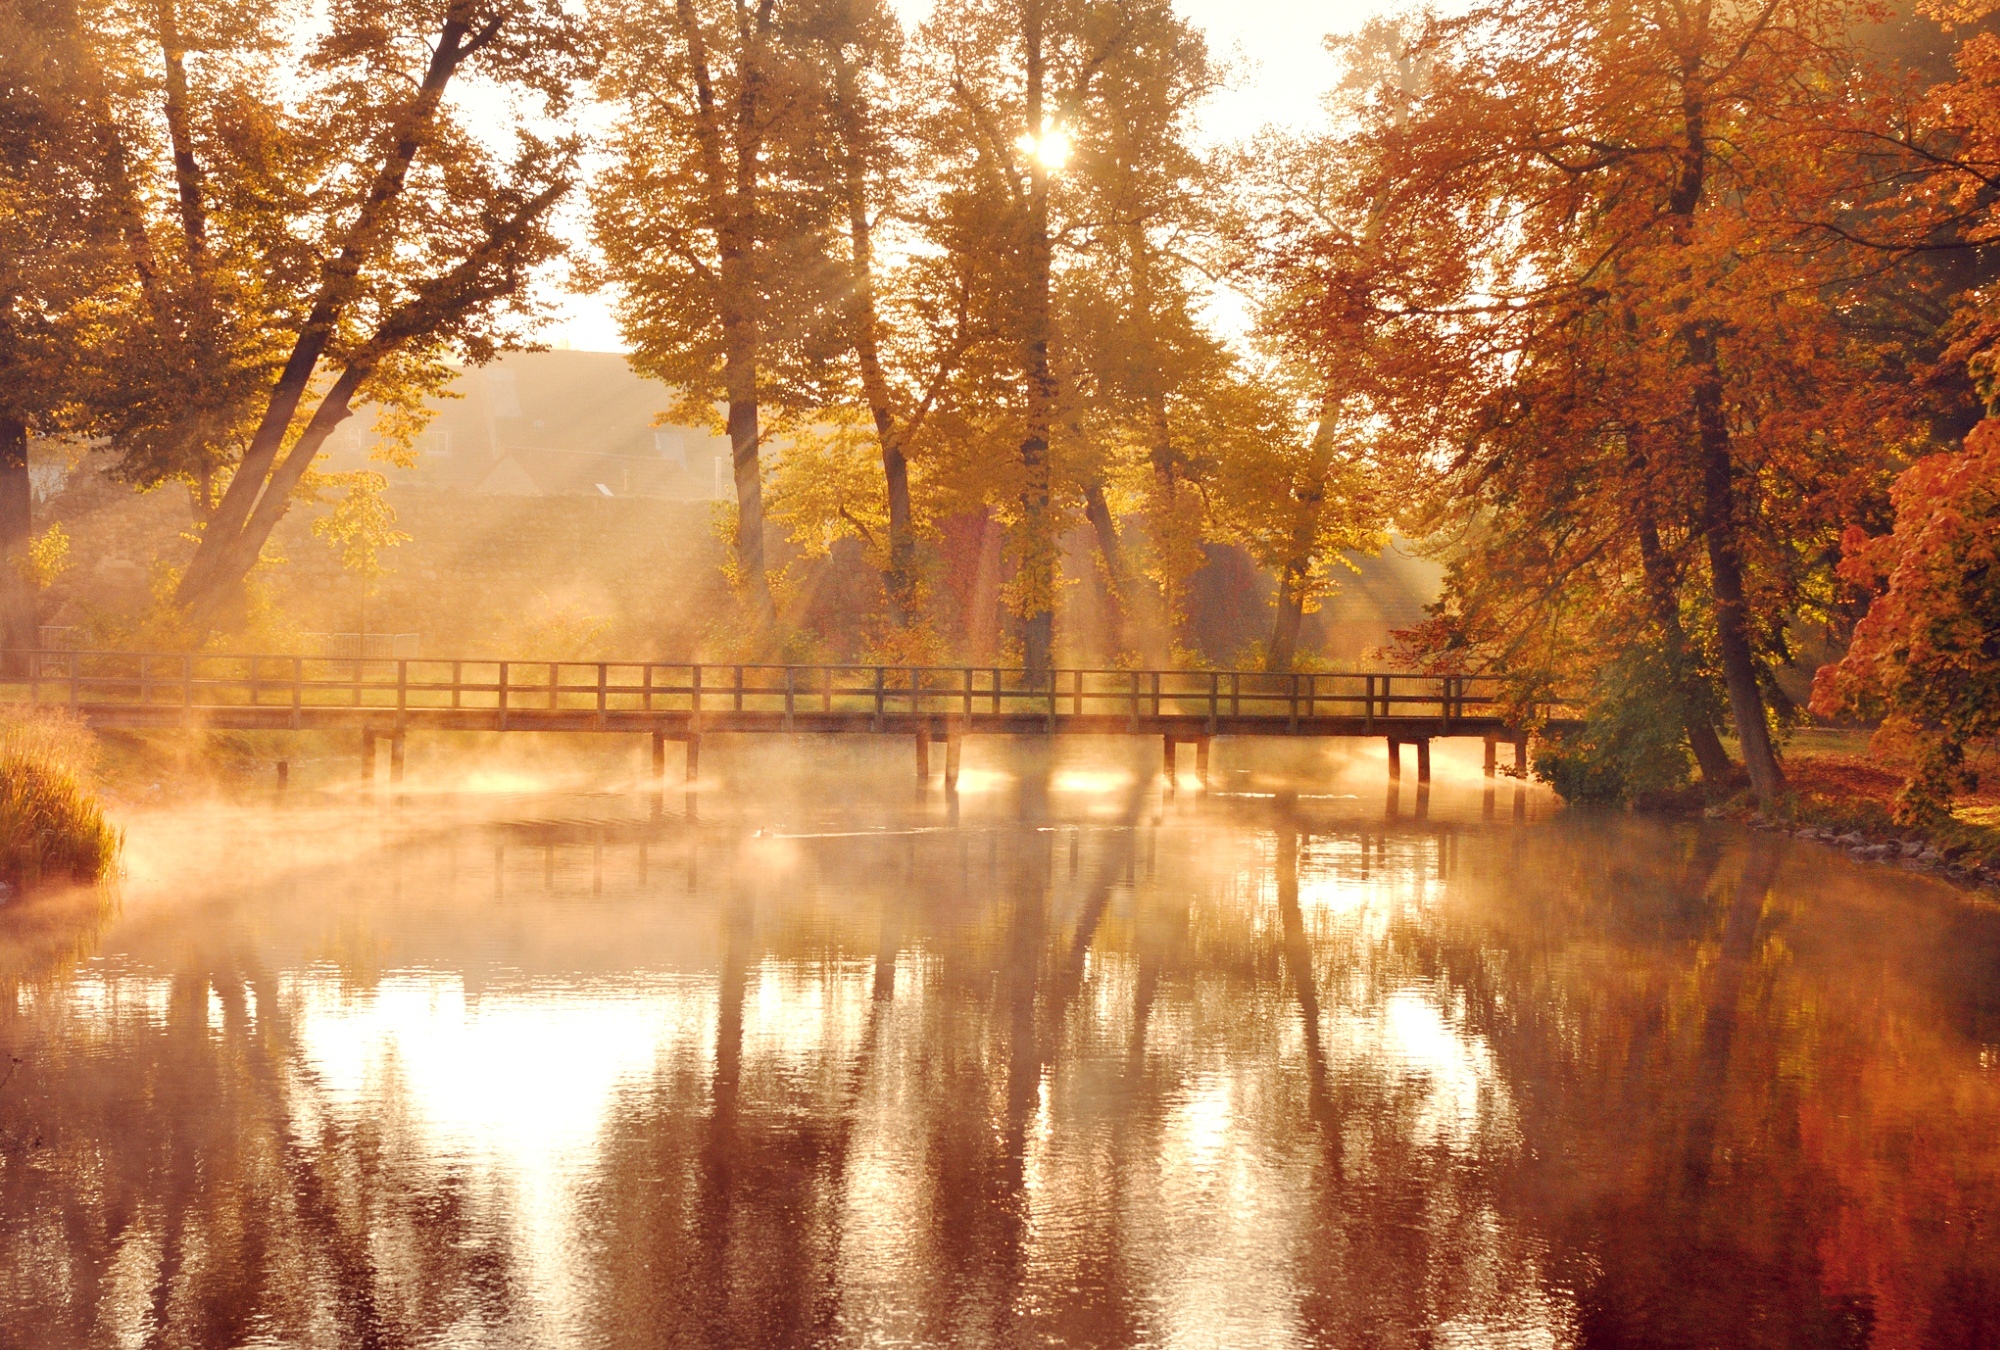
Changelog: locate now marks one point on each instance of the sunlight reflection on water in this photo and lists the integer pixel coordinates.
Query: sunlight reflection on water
(1089, 1064)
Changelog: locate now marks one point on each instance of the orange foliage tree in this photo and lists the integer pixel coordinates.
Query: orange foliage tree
(1927, 653)
(1605, 319)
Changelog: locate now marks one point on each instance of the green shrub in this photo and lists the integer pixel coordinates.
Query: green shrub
(51, 825)
(1631, 746)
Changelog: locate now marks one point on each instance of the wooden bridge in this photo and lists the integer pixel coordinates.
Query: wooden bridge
(388, 698)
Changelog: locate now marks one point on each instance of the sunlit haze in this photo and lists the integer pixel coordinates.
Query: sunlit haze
(1278, 70)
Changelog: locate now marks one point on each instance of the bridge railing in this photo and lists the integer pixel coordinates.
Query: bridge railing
(200, 681)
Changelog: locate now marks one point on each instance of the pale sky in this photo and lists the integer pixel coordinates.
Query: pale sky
(1282, 69)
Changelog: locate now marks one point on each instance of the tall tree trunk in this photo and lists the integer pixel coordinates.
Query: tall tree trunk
(1295, 576)
(1732, 610)
(1291, 610)
(1176, 541)
(1718, 505)
(1665, 601)
(900, 578)
(17, 589)
(902, 543)
(1110, 553)
(742, 324)
(1177, 538)
(740, 374)
(732, 192)
(180, 135)
(1035, 581)
(199, 319)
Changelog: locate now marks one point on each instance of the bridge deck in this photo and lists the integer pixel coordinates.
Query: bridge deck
(681, 702)
(140, 690)
(678, 725)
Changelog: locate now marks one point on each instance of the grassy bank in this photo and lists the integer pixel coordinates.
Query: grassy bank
(1847, 799)
(52, 827)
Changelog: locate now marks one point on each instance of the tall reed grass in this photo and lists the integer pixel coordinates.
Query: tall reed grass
(51, 825)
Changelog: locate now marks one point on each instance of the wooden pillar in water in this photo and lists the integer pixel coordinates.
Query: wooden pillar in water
(1520, 756)
(1172, 762)
(1492, 756)
(659, 756)
(693, 747)
(923, 754)
(1424, 760)
(1395, 760)
(1201, 761)
(396, 758)
(367, 756)
(953, 742)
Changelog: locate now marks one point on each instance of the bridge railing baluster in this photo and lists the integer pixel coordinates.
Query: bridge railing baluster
(354, 688)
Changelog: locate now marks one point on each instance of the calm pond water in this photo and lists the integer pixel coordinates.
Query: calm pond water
(1296, 1062)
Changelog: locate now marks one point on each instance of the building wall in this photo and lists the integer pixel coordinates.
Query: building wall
(574, 575)
(481, 574)
(552, 424)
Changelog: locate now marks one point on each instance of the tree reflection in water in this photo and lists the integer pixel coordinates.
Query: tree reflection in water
(1065, 1067)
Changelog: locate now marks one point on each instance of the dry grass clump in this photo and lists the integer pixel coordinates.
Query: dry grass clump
(51, 825)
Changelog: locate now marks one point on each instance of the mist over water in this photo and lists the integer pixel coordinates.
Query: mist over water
(804, 1056)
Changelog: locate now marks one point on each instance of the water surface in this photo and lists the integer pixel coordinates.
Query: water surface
(809, 1060)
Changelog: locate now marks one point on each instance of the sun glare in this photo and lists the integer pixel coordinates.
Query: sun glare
(1051, 148)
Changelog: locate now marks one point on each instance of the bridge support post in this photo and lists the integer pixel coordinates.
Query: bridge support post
(1172, 763)
(367, 756)
(659, 756)
(693, 747)
(1395, 760)
(396, 757)
(1424, 760)
(1521, 757)
(924, 755)
(952, 744)
(1201, 761)
(1492, 756)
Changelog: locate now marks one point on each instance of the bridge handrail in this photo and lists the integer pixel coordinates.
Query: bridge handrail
(100, 678)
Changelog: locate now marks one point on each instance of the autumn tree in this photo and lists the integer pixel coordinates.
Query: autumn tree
(1627, 192)
(1299, 495)
(202, 175)
(1015, 70)
(57, 266)
(716, 219)
(909, 318)
(1925, 655)
(370, 237)
(1139, 357)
